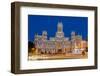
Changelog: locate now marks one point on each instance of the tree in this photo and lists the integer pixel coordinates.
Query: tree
(30, 46)
(86, 49)
(83, 53)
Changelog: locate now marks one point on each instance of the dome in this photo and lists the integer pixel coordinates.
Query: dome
(44, 33)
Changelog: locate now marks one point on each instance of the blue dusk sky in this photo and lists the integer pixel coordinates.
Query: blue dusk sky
(39, 23)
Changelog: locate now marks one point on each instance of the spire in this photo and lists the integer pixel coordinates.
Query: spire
(44, 33)
(73, 33)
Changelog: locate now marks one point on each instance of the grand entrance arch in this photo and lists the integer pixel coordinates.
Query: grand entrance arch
(59, 51)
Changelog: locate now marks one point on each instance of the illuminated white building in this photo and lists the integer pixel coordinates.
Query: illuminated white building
(59, 43)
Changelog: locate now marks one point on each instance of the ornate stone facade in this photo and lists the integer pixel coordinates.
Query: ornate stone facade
(59, 43)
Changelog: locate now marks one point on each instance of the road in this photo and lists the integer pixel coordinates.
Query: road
(57, 56)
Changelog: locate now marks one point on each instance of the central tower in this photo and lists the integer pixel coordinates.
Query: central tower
(60, 27)
(59, 33)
